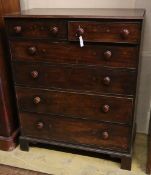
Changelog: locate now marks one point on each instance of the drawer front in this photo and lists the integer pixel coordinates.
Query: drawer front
(94, 79)
(97, 135)
(126, 32)
(93, 107)
(107, 55)
(46, 28)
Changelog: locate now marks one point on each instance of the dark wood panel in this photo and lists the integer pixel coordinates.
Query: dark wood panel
(94, 79)
(8, 119)
(8, 122)
(101, 108)
(47, 28)
(104, 32)
(75, 131)
(91, 54)
(3, 128)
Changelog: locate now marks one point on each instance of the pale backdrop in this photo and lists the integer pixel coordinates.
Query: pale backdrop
(77, 3)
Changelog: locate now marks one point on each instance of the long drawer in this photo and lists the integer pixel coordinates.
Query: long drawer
(92, 31)
(75, 131)
(74, 105)
(64, 52)
(82, 78)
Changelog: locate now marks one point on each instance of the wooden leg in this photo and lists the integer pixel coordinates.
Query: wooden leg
(24, 144)
(126, 162)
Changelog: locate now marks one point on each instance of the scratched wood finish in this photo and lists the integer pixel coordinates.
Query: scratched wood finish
(62, 52)
(87, 106)
(76, 78)
(85, 132)
(105, 32)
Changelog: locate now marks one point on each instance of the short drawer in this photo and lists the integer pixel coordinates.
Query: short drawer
(80, 78)
(92, 107)
(75, 131)
(63, 52)
(122, 32)
(47, 28)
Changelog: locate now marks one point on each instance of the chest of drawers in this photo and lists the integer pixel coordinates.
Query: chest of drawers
(72, 96)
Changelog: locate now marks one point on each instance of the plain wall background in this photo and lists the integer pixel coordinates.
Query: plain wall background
(76, 4)
(143, 110)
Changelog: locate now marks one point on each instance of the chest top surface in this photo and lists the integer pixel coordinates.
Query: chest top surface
(97, 13)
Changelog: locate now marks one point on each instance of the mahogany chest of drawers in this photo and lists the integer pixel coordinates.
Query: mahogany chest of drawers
(71, 95)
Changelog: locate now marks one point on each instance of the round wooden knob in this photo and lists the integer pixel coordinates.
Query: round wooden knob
(44, 51)
(107, 81)
(40, 125)
(105, 108)
(80, 31)
(54, 30)
(34, 74)
(107, 55)
(32, 50)
(37, 100)
(125, 33)
(17, 29)
(50, 126)
(105, 135)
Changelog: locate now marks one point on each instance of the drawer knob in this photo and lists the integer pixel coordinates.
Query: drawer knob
(125, 33)
(105, 108)
(107, 55)
(54, 30)
(105, 135)
(107, 81)
(32, 50)
(80, 31)
(34, 74)
(17, 29)
(37, 100)
(44, 51)
(40, 125)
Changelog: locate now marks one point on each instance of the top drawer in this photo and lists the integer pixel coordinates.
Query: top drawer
(45, 28)
(118, 32)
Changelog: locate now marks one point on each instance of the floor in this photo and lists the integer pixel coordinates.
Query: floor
(8, 170)
(61, 163)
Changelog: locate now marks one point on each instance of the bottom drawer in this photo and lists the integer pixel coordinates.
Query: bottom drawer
(75, 131)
